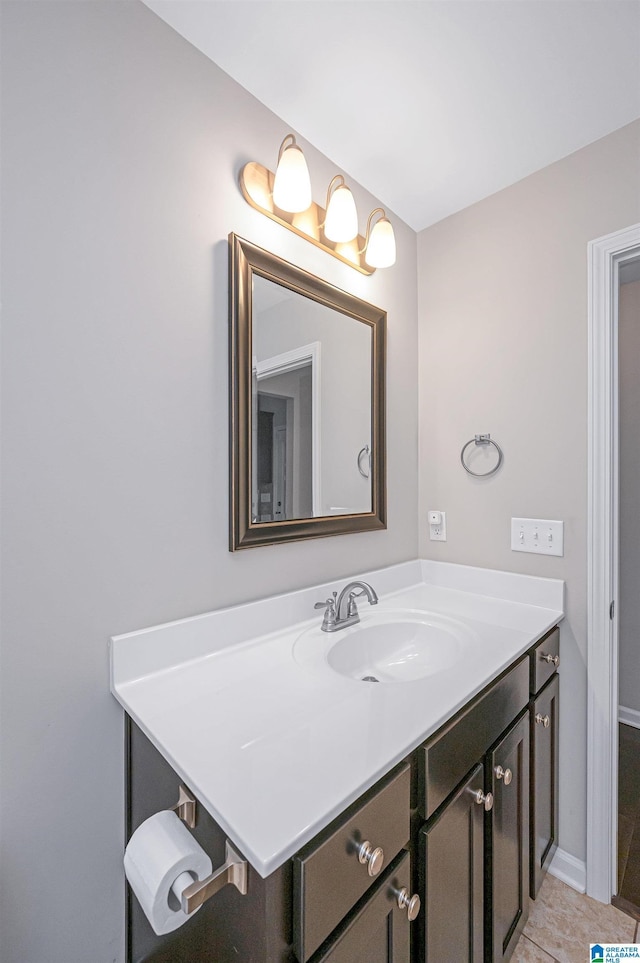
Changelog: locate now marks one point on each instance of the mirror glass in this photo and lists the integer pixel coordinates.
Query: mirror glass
(307, 404)
(310, 406)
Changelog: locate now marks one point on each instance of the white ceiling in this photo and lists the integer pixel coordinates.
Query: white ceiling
(430, 104)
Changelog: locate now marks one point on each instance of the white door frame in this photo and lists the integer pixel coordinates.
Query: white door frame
(605, 254)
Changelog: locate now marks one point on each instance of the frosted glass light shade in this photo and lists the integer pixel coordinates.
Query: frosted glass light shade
(291, 185)
(381, 249)
(341, 223)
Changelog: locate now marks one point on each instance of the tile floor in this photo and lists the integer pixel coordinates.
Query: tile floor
(562, 923)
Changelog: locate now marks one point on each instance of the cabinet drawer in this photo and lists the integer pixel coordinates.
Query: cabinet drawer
(328, 878)
(449, 756)
(541, 668)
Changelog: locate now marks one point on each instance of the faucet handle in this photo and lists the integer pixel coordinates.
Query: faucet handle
(327, 604)
(329, 607)
(352, 611)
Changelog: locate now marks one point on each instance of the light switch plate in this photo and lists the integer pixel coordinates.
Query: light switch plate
(542, 536)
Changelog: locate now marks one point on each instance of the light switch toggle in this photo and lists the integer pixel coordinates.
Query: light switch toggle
(538, 535)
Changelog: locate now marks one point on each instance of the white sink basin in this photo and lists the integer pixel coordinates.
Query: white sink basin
(400, 646)
(395, 651)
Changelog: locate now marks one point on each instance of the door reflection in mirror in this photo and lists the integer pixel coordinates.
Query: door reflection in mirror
(311, 407)
(284, 486)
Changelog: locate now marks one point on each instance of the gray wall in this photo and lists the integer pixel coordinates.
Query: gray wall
(503, 349)
(629, 387)
(121, 149)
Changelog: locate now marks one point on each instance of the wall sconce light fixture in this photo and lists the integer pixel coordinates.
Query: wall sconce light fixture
(291, 184)
(285, 197)
(341, 222)
(380, 243)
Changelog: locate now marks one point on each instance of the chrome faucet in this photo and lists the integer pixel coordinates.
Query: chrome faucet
(341, 610)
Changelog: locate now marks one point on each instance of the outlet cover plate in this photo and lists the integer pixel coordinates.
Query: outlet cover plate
(541, 536)
(438, 532)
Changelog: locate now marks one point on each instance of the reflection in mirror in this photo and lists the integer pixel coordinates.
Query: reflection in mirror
(307, 404)
(311, 407)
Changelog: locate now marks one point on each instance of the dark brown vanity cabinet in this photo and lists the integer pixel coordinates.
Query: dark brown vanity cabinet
(544, 709)
(475, 843)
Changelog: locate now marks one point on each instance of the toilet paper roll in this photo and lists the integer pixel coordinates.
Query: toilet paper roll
(162, 852)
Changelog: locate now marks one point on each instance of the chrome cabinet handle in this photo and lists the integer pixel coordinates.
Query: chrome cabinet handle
(482, 799)
(505, 774)
(374, 858)
(410, 903)
(546, 657)
(542, 720)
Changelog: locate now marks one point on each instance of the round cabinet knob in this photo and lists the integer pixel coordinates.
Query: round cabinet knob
(411, 903)
(542, 720)
(483, 799)
(555, 659)
(505, 774)
(374, 858)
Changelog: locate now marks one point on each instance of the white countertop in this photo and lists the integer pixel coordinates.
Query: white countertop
(273, 742)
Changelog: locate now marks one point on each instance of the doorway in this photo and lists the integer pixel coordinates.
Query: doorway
(294, 379)
(284, 442)
(607, 257)
(275, 429)
(628, 880)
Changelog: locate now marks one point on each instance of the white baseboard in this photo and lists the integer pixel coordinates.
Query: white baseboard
(630, 717)
(569, 870)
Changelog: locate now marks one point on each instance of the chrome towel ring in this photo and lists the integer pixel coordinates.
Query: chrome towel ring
(482, 440)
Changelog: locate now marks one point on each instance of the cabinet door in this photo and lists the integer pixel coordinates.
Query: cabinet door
(508, 841)
(451, 886)
(377, 932)
(544, 781)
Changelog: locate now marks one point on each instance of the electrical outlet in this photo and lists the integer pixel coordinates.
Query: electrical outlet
(437, 526)
(537, 535)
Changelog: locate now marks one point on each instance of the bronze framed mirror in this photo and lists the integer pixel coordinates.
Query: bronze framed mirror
(307, 404)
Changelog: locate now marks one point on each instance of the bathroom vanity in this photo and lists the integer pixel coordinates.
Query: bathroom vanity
(381, 822)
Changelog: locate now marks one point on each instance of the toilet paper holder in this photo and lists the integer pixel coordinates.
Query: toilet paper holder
(186, 807)
(234, 869)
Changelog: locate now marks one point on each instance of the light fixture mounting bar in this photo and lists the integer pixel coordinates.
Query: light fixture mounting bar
(256, 184)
